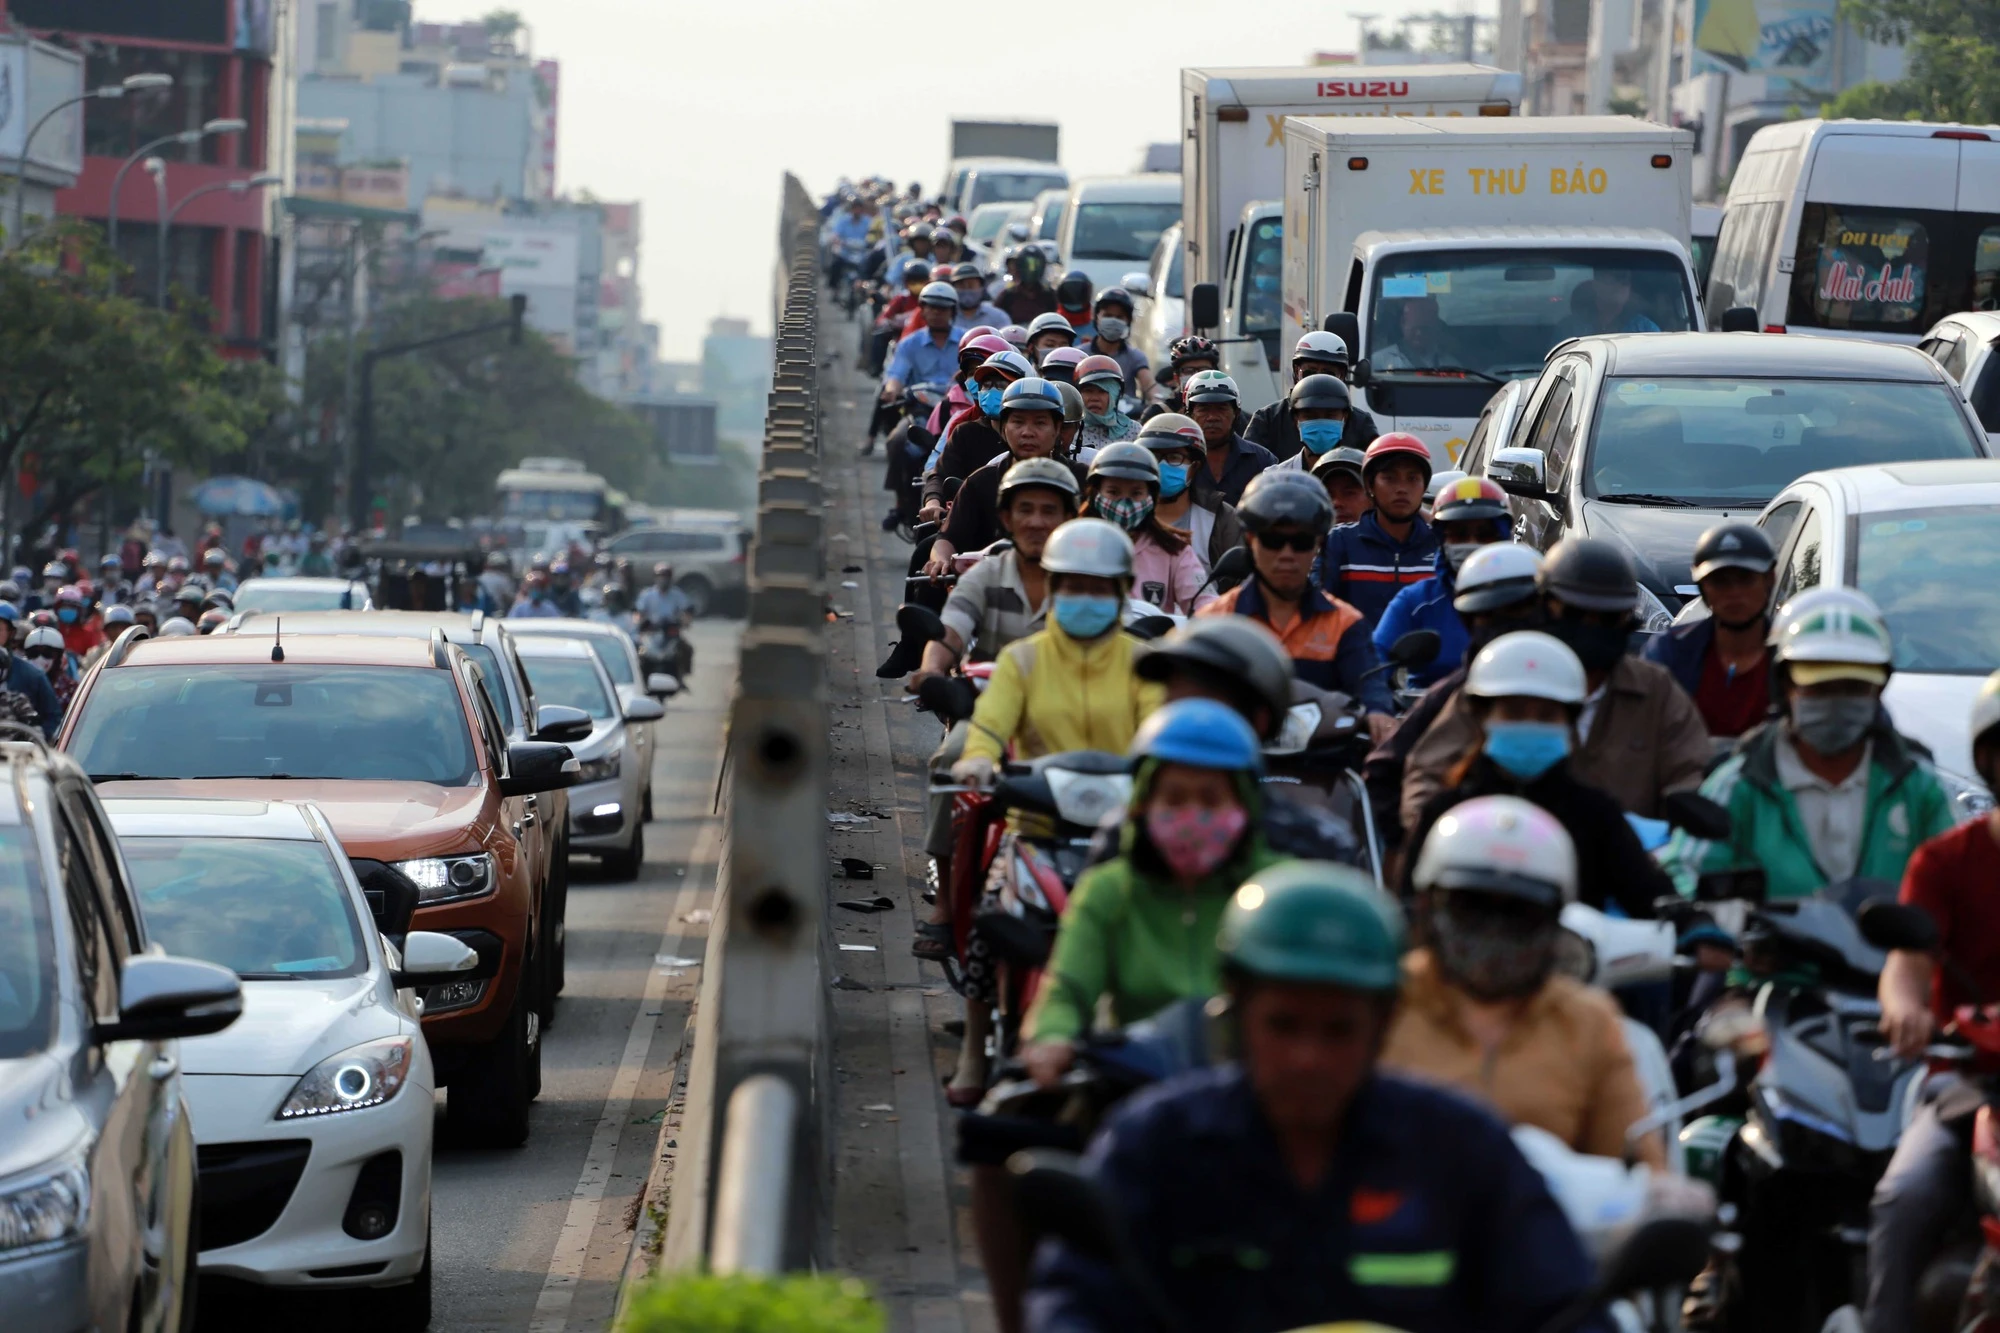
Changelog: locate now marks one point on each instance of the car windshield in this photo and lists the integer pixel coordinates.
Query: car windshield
(496, 684)
(1008, 187)
(570, 681)
(1733, 441)
(1936, 575)
(611, 652)
(987, 221)
(1121, 230)
(261, 595)
(27, 948)
(269, 909)
(282, 720)
(1498, 312)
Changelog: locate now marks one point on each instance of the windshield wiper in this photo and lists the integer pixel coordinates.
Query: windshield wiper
(267, 976)
(129, 777)
(1642, 498)
(1467, 371)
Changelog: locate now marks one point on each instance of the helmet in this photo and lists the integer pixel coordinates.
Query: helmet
(983, 347)
(1073, 292)
(1072, 402)
(1014, 335)
(177, 565)
(1192, 347)
(1009, 363)
(1088, 546)
(1112, 296)
(1496, 575)
(1469, 499)
(1826, 633)
(1062, 363)
(1210, 386)
(1029, 395)
(1321, 346)
(1527, 664)
(1590, 575)
(1039, 472)
(1323, 392)
(1100, 369)
(119, 614)
(188, 592)
(153, 560)
(1340, 458)
(71, 596)
(43, 638)
(966, 271)
(1733, 546)
(977, 331)
(174, 627)
(1317, 922)
(938, 293)
(559, 568)
(211, 620)
(1440, 480)
(214, 555)
(918, 270)
(1127, 459)
(1503, 845)
(1051, 323)
(1236, 647)
(43, 618)
(496, 560)
(1171, 430)
(220, 597)
(110, 562)
(9, 612)
(1201, 733)
(1290, 497)
(55, 569)
(1396, 444)
(1986, 708)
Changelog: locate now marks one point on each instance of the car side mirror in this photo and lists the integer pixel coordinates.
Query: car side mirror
(644, 710)
(538, 766)
(1521, 472)
(1888, 925)
(561, 723)
(161, 998)
(1205, 306)
(1139, 284)
(1360, 375)
(432, 958)
(662, 686)
(1348, 326)
(1740, 319)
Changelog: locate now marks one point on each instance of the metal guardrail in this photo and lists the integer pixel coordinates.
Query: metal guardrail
(752, 1184)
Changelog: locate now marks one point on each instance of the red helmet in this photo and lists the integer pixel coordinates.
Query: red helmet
(985, 345)
(976, 331)
(1098, 367)
(1468, 499)
(1387, 448)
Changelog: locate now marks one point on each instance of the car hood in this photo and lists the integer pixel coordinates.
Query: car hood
(287, 1027)
(1660, 541)
(39, 1120)
(1935, 709)
(388, 821)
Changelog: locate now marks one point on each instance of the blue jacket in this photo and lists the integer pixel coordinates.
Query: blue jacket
(1429, 1220)
(1427, 605)
(1366, 567)
(1682, 650)
(25, 678)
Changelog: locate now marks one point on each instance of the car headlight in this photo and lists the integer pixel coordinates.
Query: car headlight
(46, 1209)
(601, 769)
(1653, 616)
(445, 879)
(359, 1077)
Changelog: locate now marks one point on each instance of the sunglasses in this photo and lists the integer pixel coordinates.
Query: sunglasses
(1288, 541)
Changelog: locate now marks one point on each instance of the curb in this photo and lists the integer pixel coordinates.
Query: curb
(655, 1198)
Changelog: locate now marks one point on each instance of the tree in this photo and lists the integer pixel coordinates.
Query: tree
(1954, 60)
(502, 24)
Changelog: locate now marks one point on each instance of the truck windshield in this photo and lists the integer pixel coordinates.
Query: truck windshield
(1008, 187)
(27, 949)
(1496, 313)
(1121, 230)
(557, 505)
(1264, 277)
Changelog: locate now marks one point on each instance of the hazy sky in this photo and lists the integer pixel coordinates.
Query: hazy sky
(696, 109)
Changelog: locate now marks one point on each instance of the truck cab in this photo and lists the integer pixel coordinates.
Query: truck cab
(1251, 304)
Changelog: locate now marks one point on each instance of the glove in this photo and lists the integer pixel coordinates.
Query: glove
(976, 771)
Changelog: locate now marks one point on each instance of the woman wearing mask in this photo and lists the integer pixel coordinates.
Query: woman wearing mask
(1123, 487)
(1178, 446)
(44, 647)
(1100, 380)
(1526, 691)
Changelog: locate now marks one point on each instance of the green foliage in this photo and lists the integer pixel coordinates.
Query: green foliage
(503, 23)
(1954, 59)
(749, 1304)
(1874, 100)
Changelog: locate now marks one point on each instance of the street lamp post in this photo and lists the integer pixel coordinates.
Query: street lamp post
(168, 216)
(230, 125)
(110, 92)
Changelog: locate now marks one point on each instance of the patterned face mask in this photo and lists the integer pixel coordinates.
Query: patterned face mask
(1493, 955)
(1194, 840)
(1129, 514)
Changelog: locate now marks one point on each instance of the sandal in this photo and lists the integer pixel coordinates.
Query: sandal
(934, 941)
(963, 1099)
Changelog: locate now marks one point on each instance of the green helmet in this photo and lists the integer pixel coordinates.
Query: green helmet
(1314, 921)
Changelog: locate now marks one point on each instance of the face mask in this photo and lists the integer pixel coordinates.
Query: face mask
(989, 401)
(1173, 479)
(1456, 552)
(1128, 514)
(1193, 840)
(1320, 436)
(1113, 329)
(67, 615)
(1104, 419)
(1598, 647)
(1526, 750)
(1492, 957)
(1085, 615)
(1832, 725)
(970, 300)
(47, 664)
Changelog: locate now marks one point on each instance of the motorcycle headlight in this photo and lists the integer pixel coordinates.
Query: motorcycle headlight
(447, 879)
(46, 1208)
(359, 1077)
(601, 769)
(1086, 798)
(1652, 613)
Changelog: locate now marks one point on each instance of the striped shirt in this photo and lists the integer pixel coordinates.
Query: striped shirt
(1365, 567)
(988, 607)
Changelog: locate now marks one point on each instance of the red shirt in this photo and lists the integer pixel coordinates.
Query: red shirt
(1731, 705)
(1956, 878)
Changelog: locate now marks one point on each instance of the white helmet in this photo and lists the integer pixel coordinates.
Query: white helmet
(1527, 664)
(1440, 480)
(1497, 574)
(43, 636)
(938, 293)
(1319, 345)
(1500, 844)
(1088, 546)
(1986, 708)
(175, 626)
(1832, 633)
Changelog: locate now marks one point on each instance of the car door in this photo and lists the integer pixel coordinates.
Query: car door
(1543, 522)
(1804, 560)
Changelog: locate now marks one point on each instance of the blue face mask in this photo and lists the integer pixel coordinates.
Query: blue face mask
(1320, 436)
(989, 401)
(1173, 479)
(1526, 750)
(67, 615)
(1085, 615)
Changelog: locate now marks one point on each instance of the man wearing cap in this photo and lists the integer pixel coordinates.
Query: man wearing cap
(1721, 659)
(1340, 470)
(930, 355)
(1031, 418)
(1231, 461)
(1275, 425)
(1367, 563)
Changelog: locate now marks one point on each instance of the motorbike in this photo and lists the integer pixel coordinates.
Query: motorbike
(665, 648)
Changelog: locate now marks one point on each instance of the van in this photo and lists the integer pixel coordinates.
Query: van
(1112, 223)
(1860, 228)
(1000, 180)
(1704, 224)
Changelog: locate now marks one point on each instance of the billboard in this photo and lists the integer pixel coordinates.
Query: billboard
(35, 78)
(1786, 40)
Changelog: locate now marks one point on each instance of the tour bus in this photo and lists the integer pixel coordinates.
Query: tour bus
(1860, 228)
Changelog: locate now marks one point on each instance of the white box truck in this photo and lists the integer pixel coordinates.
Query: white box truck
(1452, 254)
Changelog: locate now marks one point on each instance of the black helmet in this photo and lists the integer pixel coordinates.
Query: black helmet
(916, 270)
(1321, 392)
(1238, 649)
(1733, 546)
(1073, 292)
(1113, 296)
(1589, 575)
(965, 271)
(1288, 497)
(1192, 347)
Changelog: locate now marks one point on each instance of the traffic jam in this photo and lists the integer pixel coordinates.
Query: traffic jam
(1465, 709)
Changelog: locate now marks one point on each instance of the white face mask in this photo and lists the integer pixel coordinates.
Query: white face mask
(1113, 328)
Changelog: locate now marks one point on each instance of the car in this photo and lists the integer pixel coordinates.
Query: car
(100, 1206)
(1648, 439)
(706, 547)
(1045, 222)
(313, 1112)
(1112, 223)
(1006, 180)
(1968, 347)
(302, 594)
(986, 228)
(397, 743)
(1162, 313)
(1495, 424)
(609, 805)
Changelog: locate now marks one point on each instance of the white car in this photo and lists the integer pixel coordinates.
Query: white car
(1162, 313)
(708, 549)
(301, 593)
(615, 649)
(313, 1112)
(607, 806)
(1112, 223)
(1968, 347)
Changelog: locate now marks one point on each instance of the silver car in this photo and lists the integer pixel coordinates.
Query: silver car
(607, 804)
(98, 1206)
(620, 656)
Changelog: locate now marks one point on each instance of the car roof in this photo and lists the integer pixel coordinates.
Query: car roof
(1149, 187)
(1751, 355)
(549, 645)
(1945, 483)
(296, 581)
(1984, 324)
(1010, 163)
(253, 645)
(457, 625)
(563, 627)
(209, 817)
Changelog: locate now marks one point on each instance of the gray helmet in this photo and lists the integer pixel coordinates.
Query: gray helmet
(1072, 402)
(1127, 459)
(1050, 323)
(1340, 458)
(938, 293)
(1089, 546)
(1235, 647)
(1291, 497)
(1321, 392)
(1039, 472)
(1590, 575)
(1171, 430)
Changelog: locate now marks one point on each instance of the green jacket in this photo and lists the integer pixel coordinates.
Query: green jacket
(1906, 806)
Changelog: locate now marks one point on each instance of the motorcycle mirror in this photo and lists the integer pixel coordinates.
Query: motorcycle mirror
(1665, 1252)
(950, 488)
(1700, 816)
(1418, 647)
(1234, 567)
(950, 698)
(1888, 925)
(1150, 627)
(1055, 1198)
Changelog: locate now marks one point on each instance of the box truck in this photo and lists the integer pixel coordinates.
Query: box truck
(1452, 254)
(1001, 161)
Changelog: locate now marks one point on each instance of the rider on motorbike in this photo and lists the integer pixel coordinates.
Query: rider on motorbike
(1339, 469)
(1300, 1184)
(1321, 409)
(1208, 519)
(1027, 294)
(1367, 563)
(1123, 487)
(1722, 659)
(974, 308)
(1468, 514)
(666, 608)
(1187, 356)
(1100, 381)
(1111, 336)
(1031, 421)
(1275, 426)
(1046, 332)
(929, 356)
(974, 437)
(1230, 462)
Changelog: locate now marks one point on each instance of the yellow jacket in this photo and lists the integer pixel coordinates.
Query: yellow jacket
(1050, 693)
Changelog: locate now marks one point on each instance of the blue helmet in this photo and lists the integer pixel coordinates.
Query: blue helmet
(1201, 733)
(9, 612)
(1030, 395)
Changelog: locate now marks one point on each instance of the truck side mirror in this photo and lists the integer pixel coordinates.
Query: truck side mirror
(1205, 306)
(1739, 319)
(1348, 326)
